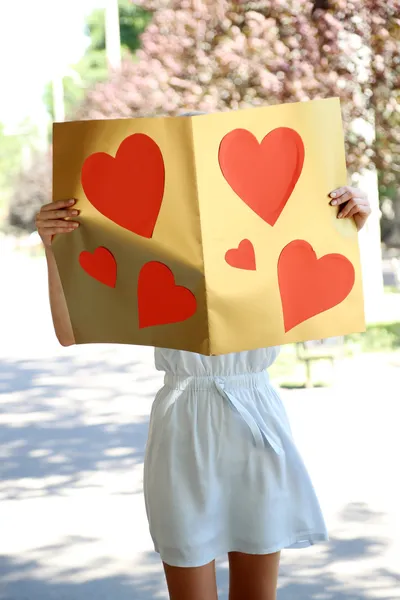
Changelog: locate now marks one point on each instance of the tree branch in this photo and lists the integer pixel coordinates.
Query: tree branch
(320, 5)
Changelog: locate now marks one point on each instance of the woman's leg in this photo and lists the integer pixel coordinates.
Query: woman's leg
(191, 583)
(253, 576)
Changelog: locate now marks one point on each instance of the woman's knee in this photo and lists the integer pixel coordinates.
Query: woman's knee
(191, 583)
(253, 576)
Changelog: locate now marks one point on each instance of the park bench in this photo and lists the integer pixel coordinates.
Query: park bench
(330, 349)
(391, 273)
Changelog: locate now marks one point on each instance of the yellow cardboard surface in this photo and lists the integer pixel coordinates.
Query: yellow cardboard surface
(200, 219)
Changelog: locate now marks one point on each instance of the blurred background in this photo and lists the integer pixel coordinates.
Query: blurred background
(73, 422)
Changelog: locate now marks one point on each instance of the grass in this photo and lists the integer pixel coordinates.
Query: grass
(289, 372)
(383, 338)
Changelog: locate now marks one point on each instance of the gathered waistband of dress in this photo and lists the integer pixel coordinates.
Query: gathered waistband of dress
(228, 387)
(207, 382)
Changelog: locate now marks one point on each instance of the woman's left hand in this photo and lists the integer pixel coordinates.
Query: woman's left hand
(355, 204)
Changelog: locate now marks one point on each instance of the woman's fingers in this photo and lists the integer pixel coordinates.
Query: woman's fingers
(353, 212)
(347, 208)
(53, 219)
(344, 194)
(339, 192)
(341, 195)
(56, 214)
(57, 205)
(352, 203)
(342, 199)
(45, 224)
(58, 230)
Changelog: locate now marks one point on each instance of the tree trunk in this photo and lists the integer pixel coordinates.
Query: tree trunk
(113, 34)
(393, 239)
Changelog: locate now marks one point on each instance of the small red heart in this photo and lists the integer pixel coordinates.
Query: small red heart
(100, 265)
(129, 188)
(262, 175)
(310, 286)
(160, 300)
(242, 257)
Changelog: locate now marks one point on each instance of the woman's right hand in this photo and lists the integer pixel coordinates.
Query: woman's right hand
(51, 220)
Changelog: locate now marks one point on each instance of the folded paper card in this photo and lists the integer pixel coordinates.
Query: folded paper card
(212, 234)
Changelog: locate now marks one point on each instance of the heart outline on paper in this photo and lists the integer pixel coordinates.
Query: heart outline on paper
(242, 257)
(160, 300)
(129, 188)
(309, 285)
(264, 175)
(100, 265)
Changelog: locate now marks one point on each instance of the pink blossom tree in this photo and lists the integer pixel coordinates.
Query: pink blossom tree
(218, 55)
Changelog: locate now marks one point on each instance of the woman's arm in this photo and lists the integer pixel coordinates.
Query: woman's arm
(58, 304)
(53, 219)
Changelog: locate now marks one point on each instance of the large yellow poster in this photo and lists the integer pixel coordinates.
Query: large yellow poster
(210, 233)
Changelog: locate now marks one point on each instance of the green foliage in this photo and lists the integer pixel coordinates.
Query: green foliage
(32, 189)
(10, 158)
(378, 338)
(73, 94)
(92, 68)
(133, 21)
(14, 148)
(289, 372)
(32, 185)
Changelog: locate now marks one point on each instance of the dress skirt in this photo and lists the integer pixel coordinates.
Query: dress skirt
(222, 472)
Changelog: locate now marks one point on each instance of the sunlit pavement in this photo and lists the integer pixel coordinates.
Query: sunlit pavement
(73, 426)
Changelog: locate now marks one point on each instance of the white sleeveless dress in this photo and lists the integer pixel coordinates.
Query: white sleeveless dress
(222, 472)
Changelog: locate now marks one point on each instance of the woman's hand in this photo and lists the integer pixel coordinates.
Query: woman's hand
(355, 204)
(51, 219)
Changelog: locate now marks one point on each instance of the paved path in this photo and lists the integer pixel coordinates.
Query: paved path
(73, 425)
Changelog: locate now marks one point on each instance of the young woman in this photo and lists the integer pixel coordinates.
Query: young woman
(222, 474)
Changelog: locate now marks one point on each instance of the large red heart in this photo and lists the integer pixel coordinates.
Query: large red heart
(129, 188)
(160, 300)
(262, 175)
(242, 257)
(310, 286)
(100, 265)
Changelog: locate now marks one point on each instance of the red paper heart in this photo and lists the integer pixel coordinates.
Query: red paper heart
(310, 286)
(100, 265)
(242, 257)
(160, 300)
(262, 175)
(129, 188)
